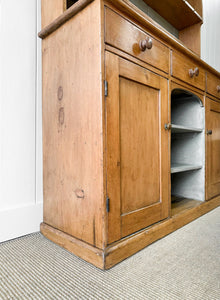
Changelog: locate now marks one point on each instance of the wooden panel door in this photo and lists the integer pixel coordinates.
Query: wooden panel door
(212, 148)
(137, 147)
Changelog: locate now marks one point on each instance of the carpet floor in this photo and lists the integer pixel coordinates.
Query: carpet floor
(183, 265)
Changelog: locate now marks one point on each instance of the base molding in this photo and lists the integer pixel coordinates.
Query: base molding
(81, 249)
(118, 251)
(19, 221)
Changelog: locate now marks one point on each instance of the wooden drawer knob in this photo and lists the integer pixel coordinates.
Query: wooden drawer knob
(168, 126)
(146, 44)
(218, 88)
(194, 72)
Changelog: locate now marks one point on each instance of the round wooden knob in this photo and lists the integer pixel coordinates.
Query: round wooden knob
(149, 43)
(218, 88)
(194, 72)
(191, 73)
(143, 45)
(146, 44)
(168, 126)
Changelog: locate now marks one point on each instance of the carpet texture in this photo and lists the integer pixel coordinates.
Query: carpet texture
(183, 265)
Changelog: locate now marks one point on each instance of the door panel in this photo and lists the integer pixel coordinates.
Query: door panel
(212, 149)
(137, 147)
(139, 154)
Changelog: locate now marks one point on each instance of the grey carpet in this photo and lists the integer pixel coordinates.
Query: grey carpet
(183, 265)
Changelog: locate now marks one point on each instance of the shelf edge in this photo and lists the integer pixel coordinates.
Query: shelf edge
(68, 14)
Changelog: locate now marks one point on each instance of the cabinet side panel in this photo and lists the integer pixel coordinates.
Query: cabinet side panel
(191, 37)
(50, 10)
(72, 128)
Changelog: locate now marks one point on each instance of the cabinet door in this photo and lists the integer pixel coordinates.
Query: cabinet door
(137, 147)
(212, 149)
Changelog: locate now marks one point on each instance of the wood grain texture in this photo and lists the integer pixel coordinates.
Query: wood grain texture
(121, 250)
(140, 158)
(62, 19)
(197, 5)
(125, 36)
(212, 149)
(97, 146)
(180, 69)
(72, 129)
(113, 149)
(127, 9)
(135, 60)
(212, 83)
(137, 108)
(104, 224)
(141, 18)
(176, 12)
(87, 252)
(50, 10)
(179, 205)
(191, 37)
(141, 218)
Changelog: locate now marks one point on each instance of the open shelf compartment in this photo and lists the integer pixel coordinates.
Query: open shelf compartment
(187, 146)
(185, 14)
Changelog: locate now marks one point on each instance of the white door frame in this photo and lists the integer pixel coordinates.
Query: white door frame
(21, 188)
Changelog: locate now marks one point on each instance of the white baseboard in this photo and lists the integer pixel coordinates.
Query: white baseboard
(20, 221)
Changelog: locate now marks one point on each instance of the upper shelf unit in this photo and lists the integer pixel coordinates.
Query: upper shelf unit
(179, 13)
(185, 16)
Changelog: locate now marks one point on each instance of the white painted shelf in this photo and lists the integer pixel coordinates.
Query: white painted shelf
(181, 129)
(187, 145)
(177, 168)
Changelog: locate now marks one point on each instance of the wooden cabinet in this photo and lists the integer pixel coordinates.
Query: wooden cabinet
(109, 75)
(212, 148)
(186, 16)
(137, 183)
(188, 70)
(124, 35)
(213, 85)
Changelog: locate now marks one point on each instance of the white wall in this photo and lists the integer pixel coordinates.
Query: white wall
(20, 109)
(210, 41)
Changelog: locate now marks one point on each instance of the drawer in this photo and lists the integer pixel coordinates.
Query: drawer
(213, 85)
(125, 36)
(187, 70)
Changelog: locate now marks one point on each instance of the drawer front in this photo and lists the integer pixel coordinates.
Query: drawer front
(187, 70)
(213, 85)
(125, 36)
